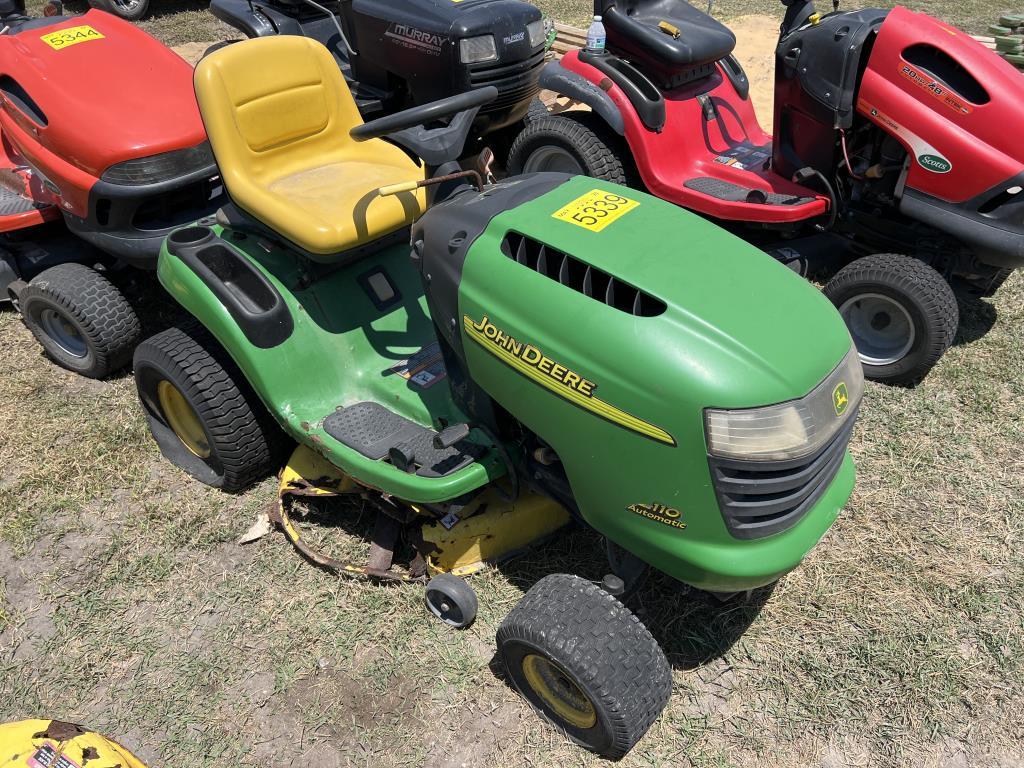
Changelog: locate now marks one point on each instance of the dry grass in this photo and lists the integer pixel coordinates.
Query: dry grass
(128, 606)
(124, 602)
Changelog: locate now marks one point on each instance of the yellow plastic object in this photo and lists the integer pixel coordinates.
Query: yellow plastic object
(394, 189)
(501, 530)
(278, 113)
(815, 19)
(669, 29)
(53, 744)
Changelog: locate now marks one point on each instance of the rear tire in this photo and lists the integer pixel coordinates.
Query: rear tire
(130, 10)
(202, 412)
(576, 143)
(585, 663)
(81, 319)
(902, 315)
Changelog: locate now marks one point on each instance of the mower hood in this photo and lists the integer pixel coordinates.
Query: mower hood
(716, 310)
(97, 91)
(611, 325)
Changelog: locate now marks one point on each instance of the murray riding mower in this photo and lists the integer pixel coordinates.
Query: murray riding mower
(91, 181)
(489, 369)
(896, 169)
(399, 55)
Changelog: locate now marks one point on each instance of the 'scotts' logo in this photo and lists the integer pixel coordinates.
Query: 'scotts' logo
(840, 398)
(532, 363)
(659, 513)
(934, 163)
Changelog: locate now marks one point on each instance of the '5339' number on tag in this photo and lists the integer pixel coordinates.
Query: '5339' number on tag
(596, 209)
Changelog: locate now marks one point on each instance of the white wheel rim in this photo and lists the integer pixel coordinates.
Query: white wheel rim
(63, 333)
(881, 327)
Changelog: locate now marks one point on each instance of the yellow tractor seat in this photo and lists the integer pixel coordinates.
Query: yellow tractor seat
(278, 113)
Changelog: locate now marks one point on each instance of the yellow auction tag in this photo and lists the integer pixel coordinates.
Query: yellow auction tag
(596, 209)
(70, 36)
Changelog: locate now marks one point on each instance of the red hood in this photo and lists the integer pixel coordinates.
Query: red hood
(107, 99)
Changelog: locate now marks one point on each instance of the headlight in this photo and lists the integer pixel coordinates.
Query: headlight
(790, 430)
(535, 30)
(474, 50)
(155, 168)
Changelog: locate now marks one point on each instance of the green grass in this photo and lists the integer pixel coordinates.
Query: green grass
(126, 604)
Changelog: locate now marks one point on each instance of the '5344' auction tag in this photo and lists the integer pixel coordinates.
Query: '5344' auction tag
(63, 38)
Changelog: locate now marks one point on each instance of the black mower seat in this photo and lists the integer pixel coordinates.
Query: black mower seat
(668, 37)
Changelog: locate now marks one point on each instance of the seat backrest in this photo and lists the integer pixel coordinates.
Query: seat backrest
(273, 106)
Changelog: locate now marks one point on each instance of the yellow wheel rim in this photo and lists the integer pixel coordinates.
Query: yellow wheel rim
(183, 419)
(559, 691)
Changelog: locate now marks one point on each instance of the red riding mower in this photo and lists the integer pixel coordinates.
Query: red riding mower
(94, 173)
(897, 164)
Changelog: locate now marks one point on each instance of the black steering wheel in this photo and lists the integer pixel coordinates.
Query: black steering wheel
(423, 114)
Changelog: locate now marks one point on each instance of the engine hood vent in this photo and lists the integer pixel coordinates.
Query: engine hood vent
(580, 276)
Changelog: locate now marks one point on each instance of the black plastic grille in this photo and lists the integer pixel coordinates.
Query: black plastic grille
(759, 498)
(580, 276)
(515, 82)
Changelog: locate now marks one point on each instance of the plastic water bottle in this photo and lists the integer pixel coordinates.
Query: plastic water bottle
(596, 36)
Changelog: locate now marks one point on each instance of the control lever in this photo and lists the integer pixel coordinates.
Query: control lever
(337, 25)
(410, 186)
(483, 164)
(449, 436)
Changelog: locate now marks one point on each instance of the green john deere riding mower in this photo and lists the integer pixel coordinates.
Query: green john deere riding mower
(549, 349)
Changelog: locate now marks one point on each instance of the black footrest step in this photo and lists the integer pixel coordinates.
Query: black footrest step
(11, 202)
(734, 193)
(374, 430)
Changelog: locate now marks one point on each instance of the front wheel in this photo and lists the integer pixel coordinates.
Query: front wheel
(81, 319)
(204, 416)
(576, 143)
(585, 663)
(130, 10)
(901, 313)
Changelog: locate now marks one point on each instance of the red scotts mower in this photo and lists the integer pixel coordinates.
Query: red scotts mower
(92, 175)
(896, 169)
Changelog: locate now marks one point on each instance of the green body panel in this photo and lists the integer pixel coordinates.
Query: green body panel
(340, 353)
(739, 331)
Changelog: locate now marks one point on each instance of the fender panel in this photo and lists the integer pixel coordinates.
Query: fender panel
(555, 77)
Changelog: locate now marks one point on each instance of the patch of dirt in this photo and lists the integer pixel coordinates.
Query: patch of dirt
(480, 734)
(756, 37)
(193, 52)
(30, 617)
(350, 718)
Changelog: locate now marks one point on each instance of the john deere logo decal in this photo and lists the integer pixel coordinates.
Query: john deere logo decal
(658, 512)
(555, 377)
(840, 398)
(934, 163)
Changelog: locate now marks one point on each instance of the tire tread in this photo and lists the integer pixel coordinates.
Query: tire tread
(246, 440)
(923, 284)
(111, 325)
(595, 637)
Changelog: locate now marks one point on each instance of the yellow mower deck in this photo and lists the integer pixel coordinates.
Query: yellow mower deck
(489, 529)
